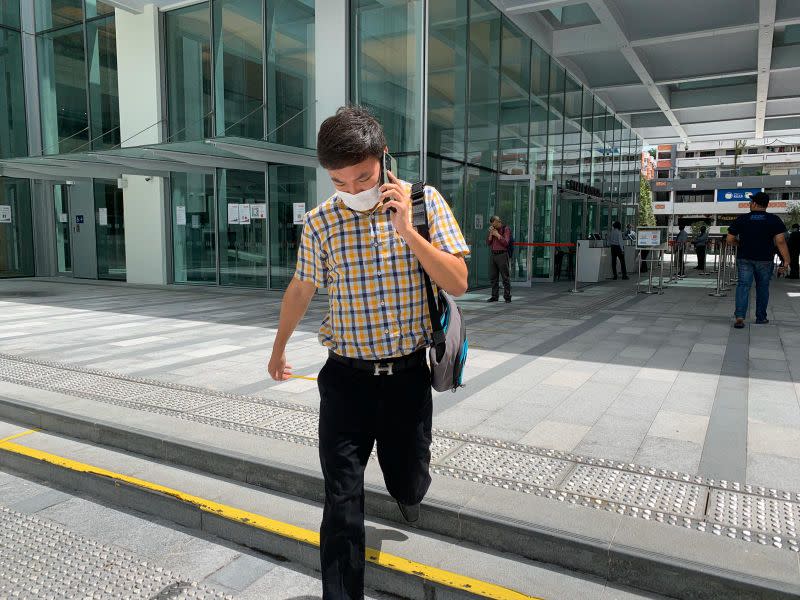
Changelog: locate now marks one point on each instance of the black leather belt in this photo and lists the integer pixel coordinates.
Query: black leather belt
(389, 366)
(499, 251)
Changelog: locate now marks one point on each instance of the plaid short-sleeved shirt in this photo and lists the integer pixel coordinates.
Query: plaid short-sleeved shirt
(377, 306)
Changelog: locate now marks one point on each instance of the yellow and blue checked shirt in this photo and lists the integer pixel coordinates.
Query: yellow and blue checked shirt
(377, 306)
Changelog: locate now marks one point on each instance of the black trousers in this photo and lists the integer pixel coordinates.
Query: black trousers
(794, 265)
(618, 253)
(498, 267)
(701, 257)
(358, 409)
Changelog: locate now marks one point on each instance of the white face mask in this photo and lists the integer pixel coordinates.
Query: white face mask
(362, 201)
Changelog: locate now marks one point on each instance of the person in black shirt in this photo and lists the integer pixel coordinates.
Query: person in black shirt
(757, 234)
(794, 252)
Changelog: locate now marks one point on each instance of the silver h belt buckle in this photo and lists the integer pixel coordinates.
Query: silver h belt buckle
(386, 369)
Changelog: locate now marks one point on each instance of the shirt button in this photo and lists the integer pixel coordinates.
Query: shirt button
(383, 304)
(386, 332)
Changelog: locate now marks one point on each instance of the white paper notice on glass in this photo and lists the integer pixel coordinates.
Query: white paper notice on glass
(244, 214)
(102, 217)
(258, 211)
(195, 221)
(233, 214)
(180, 215)
(63, 218)
(5, 213)
(478, 222)
(299, 210)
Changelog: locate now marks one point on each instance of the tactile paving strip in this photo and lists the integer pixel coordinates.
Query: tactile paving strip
(755, 518)
(175, 400)
(245, 413)
(40, 559)
(507, 464)
(92, 386)
(628, 489)
(19, 371)
(652, 493)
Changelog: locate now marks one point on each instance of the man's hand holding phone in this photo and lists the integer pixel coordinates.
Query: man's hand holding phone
(397, 199)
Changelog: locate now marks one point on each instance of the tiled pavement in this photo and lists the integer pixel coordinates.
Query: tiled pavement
(660, 381)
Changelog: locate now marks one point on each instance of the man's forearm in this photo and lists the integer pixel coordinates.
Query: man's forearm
(293, 308)
(783, 249)
(447, 271)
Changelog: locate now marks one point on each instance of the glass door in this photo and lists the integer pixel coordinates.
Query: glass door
(63, 238)
(110, 230)
(514, 198)
(542, 228)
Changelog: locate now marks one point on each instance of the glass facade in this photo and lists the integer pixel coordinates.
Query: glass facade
(188, 49)
(388, 74)
(291, 90)
(238, 68)
(13, 133)
(501, 115)
(16, 228)
(77, 67)
(242, 68)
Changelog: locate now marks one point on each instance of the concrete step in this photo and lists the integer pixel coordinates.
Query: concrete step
(83, 548)
(404, 561)
(545, 525)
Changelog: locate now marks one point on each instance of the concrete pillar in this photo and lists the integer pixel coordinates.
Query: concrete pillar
(331, 69)
(140, 109)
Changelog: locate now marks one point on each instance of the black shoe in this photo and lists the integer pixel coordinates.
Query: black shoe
(760, 322)
(492, 300)
(410, 512)
(614, 278)
(625, 278)
(739, 324)
(508, 300)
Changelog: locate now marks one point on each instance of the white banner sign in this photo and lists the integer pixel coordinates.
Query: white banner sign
(299, 210)
(5, 213)
(258, 211)
(244, 214)
(195, 221)
(180, 215)
(102, 217)
(233, 214)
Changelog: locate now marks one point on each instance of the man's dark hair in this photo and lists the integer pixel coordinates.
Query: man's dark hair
(702, 229)
(761, 198)
(795, 226)
(349, 137)
(681, 227)
(617, 225)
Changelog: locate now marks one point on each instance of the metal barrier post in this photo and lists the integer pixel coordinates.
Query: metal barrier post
(719, 293)
(734, 270)
(575, 289)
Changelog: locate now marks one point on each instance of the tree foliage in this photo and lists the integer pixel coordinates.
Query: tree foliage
(646, 216)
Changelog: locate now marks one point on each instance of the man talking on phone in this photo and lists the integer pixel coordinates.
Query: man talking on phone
(375, 386)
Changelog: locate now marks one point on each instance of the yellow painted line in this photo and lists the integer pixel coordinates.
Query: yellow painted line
(389, 561)
(303, 377)
(18, 435)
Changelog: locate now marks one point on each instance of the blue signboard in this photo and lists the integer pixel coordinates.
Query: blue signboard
(79, 219)
(736, 195)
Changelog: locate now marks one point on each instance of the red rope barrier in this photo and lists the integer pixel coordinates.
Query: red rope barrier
(544, 244)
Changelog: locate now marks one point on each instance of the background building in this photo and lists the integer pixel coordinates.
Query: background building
(173, 142)
(711, 180)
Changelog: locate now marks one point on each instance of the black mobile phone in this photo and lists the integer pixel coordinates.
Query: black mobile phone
(388, 163)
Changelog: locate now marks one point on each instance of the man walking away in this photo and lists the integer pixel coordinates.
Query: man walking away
(794, 252)
(376, 385)
(617, 244)
(680, 248)
(498, 241)
(700, 243)
(758, 232)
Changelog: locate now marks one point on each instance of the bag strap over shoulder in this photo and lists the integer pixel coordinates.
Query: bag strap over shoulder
(420, 221)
